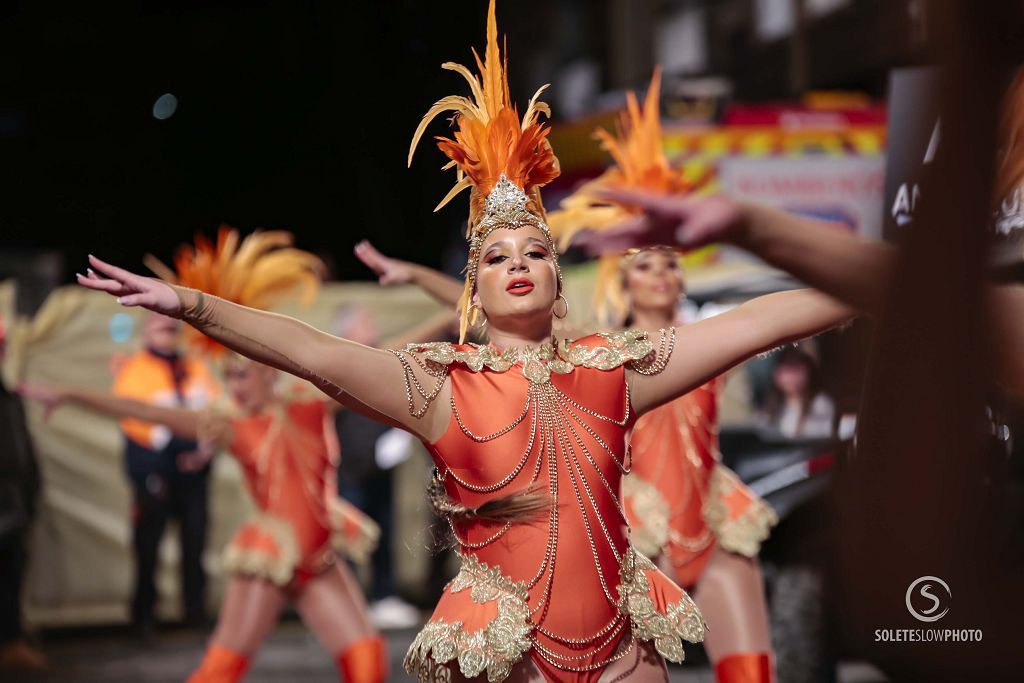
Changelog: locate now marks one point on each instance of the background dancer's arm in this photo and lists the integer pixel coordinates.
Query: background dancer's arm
(708, 348)
(820, 254)
(391, 271)
(832, 260)
(181, 421)
(369, 380)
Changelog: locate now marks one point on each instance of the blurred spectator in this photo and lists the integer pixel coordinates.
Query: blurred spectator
(19, 489)
(794, 403)
(169, 475)
(368, 456)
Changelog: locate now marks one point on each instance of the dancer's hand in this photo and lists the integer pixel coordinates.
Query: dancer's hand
(193, 461)
(50, 398)
(389, 271)
(131, 289)
(666, 220)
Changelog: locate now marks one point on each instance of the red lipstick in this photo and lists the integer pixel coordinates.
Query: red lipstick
(519, 287)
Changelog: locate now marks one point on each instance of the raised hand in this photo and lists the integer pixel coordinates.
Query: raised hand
(389, 271)
(666, 220)
(131, 289)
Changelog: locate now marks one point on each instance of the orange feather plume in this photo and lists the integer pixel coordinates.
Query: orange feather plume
(490, 139)
(639, 160)
(259, 271)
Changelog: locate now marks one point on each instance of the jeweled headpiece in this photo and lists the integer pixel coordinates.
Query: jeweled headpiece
(503, 159)
(258, 271)
(639, 163)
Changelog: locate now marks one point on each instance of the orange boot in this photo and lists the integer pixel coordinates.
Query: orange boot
(745, 667)
(364, 661)
(220, 665)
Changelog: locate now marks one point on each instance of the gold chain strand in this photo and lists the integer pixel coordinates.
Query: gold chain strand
(590, 537)
(618, 423)
(410, 381)
(609, 632)
(604, 481)
(575, 464)
(589, 667)
(661, 357)
(481, 544)
(601, 442)
(490, 488)
(501, 432)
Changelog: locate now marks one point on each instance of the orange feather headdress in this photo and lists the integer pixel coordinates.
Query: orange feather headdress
(639, 163)
(258, 270)
(503, 159)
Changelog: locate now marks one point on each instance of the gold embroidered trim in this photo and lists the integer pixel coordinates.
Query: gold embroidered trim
(559, 357)
(279, 570)
(353, 534)
(650, 528)
(742, 535)
(498, 647)
(495, 649)
(667, 630)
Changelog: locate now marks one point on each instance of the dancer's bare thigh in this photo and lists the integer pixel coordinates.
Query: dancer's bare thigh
(333, 607)
(249, 612)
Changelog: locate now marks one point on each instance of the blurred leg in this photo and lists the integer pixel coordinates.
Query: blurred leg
(730, 593)
(248, 614)
(333, 607)
(192, 514)
(149, 516)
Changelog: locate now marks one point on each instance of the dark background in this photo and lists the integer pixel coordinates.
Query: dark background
(298, 115)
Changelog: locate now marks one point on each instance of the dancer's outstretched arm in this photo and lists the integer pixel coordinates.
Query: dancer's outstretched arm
(181, 421)
(819, 254)
(366, 379)
(392, 271)
(853, 270)
(708, 348)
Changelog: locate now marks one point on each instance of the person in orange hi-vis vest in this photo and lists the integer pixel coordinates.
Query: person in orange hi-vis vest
(168, 474)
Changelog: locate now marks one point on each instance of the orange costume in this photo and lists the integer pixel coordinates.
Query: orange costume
(287, 454)
(565, 588)
(535, 450)
(289, 470)
(680, 500)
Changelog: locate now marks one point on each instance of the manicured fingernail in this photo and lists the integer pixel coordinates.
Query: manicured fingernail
(119, 300)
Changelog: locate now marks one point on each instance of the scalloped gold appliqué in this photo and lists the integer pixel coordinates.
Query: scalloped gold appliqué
(559, 357)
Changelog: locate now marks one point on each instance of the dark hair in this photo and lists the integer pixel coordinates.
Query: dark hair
(774, 401)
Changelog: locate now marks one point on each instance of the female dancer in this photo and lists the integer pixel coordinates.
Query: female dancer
(284, 553)
(528, 433)
(687, 511)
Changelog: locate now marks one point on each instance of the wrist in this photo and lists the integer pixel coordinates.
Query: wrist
(190, 302)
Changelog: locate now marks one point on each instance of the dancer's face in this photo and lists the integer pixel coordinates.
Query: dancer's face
(791, 378)
(653, 280)
(251, 384)
(515, 275)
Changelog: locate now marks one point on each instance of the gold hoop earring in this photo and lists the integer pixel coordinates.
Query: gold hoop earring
(566, 301)
(479, 318)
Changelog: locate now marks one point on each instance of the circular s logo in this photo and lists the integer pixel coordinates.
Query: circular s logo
(922, 591)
